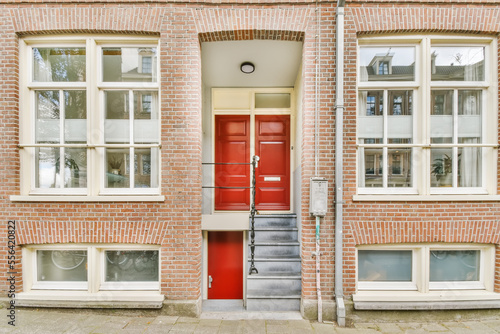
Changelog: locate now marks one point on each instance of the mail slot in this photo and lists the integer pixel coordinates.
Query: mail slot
(272, 178)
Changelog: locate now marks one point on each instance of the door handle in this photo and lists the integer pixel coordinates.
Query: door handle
(210, 279)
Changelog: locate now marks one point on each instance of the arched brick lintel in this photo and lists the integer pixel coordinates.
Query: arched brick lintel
(245, 35)
(35, 232)
(366, 233)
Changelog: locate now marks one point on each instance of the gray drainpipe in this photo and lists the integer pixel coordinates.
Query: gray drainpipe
(339, 165)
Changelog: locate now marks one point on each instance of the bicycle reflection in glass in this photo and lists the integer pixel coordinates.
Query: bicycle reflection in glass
(139, 260)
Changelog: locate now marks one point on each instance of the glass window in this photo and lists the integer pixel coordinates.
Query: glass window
(61, 118)
(454, 265)
(128, 64)
(457, 63)
(131, 266)
(386, 118)
(385, 265)
(61, 265)
(124, 107)
(456, 117)
(387, 63)
(272, 100)
(59, 64)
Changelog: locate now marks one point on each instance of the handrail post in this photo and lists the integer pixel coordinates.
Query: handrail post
(255, 161)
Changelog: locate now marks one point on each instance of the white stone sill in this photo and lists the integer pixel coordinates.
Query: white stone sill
(69, 198)
(433, 300)
(426, 198)
(84, 299)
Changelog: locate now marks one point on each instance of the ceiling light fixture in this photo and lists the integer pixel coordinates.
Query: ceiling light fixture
(247, 67)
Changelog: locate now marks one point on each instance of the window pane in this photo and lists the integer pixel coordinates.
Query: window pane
(387, 63)
(75, 171)
(145, 175)
(452, 63)
(441, 167)
(129, 64)
(454, 265)
(146, 117)
(441, 116)
(371, 167)
(46, 175)
(59, 64)
(400, 116)
(469, 116)
(370, 119)
(384, 265)
(61, 265)
(131, 266)
(117, 117)
(118, 168)
(75, 110)
(469, 167)
(272, 100)
(47, 116)
(399, 167)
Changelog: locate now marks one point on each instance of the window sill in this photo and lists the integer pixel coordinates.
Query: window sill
(434, 300)
(69, 198)
(84, 299)
(426, 198)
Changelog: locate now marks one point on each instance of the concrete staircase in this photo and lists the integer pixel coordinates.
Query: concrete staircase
(277, 286)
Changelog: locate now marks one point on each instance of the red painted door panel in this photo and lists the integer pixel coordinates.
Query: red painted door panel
(272, 145)
(232, 145)
(225, 265)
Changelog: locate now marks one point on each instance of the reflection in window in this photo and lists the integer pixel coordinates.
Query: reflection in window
(453, 63)
(61, 265)
(385, 265)
(131, 266)
(59, 64)
(454, 265)
(129, 64)
(387, 63)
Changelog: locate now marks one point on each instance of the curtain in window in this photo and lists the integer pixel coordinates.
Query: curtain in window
(470, 133)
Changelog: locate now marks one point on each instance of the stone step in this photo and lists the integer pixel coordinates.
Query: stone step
(285, 220)
(276, 285)
(289, 266)
(273, 304)
(281, 249)
(275, 235)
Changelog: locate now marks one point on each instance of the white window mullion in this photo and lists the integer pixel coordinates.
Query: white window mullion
(131, 139)
(62, 116)
(385, 159)
(455, 139)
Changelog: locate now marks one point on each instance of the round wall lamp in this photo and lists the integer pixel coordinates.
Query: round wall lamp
(247, 67)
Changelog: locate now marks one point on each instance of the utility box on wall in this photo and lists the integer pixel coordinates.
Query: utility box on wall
(318, 199)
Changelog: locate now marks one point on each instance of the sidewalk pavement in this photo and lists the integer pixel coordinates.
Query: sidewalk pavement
(52, 321)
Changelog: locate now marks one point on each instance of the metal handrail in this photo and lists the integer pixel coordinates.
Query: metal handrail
(253, 211)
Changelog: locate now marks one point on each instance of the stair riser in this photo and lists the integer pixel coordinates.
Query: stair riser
(270, 251)
(291, 285)
(273, 304)
(270, 236)
(270, 267)
(275, 222)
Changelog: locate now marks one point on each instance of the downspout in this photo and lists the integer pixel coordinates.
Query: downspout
(316, 160)
(339, 164)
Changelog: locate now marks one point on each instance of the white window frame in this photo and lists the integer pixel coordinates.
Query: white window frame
(421, 145)
(391, 285)
(95, 269)
(421, 268)
(95, 146)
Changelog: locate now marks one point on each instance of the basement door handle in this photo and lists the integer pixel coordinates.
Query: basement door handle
(210, 279)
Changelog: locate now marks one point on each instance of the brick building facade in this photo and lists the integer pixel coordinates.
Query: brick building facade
(420, 223)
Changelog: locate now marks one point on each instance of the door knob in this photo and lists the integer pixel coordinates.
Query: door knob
(210, 279)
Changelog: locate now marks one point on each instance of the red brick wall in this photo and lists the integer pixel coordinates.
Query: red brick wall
(399, 221)
(175, 224)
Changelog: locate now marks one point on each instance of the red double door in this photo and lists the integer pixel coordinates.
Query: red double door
(233, 145)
